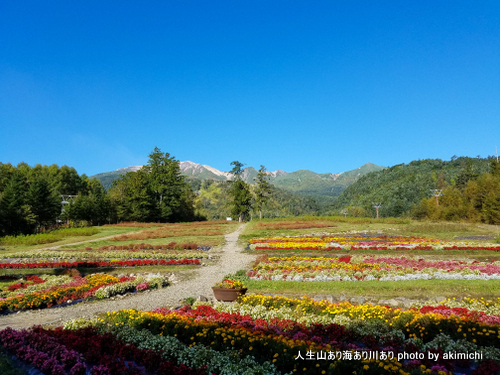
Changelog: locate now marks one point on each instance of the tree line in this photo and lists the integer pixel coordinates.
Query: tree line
(34, 199)
(31, 198)
(470, 189)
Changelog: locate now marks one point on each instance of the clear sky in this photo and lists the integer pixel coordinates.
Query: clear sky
(320, 85)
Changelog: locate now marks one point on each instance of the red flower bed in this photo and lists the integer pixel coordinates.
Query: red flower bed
(31, 280)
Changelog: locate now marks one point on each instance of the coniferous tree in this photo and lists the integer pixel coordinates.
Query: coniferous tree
(166, 184)
(240, 193)
(45, 204)
(17, 217)
(263, 189)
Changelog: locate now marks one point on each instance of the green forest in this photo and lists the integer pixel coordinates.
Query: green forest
(39, 198)
(467, 189)
(35, 199)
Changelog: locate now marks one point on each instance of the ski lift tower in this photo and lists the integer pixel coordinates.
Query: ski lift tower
(437, 193)
(376, 206)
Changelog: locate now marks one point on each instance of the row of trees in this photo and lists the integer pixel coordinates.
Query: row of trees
(242, 198)
(30, 198)
(33, 199)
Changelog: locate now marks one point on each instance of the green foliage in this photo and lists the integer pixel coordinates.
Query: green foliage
(8, 366)
(155, 193)
(166, 184)
(30, 197)
(240, 275)
(48, 237)
(404, 190)
(16, 216)
(239, 190)
(212, 202)
(263, 189)
(45, 204)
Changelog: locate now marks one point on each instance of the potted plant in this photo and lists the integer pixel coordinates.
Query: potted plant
(228, 290)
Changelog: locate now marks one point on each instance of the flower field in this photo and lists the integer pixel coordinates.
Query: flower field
(110, 254)
(271, 335)
(262, 334)
(116, 263)
(363, 242)
(358, 268)
(56, 290)
(44, 291)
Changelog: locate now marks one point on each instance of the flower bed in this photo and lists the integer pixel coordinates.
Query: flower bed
(269, 335)
(49, 281)
(25, 283)
(146, 246)
(82, 255)
(315, 337)
(97, 285)
(86, 351)
(117, 263)
(357, 268)
(363, 242)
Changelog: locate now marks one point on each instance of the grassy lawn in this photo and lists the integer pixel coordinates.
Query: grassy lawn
(199, 240)
(441, 230)
(103, 232)
(181, 233)
(416, 289)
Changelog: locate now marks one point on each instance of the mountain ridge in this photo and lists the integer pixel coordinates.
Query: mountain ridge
(304, 182)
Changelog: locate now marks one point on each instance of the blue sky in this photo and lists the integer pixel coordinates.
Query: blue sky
(319, 85)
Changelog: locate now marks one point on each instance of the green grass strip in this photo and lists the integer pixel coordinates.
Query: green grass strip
(414, 289)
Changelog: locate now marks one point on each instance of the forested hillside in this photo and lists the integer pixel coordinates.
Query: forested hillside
(213, 202)
(401, 188)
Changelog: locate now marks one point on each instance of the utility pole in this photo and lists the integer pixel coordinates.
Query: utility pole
(376, 206)
(437, 193)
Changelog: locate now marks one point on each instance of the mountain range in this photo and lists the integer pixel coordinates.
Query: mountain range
(322, 186)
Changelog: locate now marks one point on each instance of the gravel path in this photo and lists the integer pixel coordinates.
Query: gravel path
(231, 259)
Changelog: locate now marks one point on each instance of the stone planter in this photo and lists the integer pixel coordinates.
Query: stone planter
(227, 295)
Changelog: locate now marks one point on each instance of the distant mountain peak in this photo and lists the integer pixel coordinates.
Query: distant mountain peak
(304, 182)
(129, 169)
